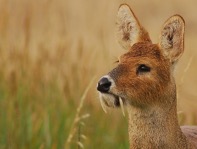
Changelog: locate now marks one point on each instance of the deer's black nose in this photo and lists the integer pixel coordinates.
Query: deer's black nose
(104, 85)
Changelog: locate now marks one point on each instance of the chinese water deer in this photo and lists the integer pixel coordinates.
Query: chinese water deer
(143, 82)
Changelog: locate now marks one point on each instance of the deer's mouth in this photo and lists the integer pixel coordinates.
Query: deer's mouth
(111, 100)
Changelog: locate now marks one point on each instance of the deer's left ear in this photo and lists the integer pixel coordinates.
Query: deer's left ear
(172, 38)
(129, 30)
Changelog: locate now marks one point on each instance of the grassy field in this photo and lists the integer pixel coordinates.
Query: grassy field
(50, 50)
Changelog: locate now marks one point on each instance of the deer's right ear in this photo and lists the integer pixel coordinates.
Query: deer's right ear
(172, 38)
(129, 30)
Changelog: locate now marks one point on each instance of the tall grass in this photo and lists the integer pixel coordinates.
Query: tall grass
(49, 52)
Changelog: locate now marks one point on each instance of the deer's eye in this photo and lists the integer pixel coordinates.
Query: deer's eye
(142, 68)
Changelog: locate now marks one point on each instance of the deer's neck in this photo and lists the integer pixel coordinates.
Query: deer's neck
(155, 128)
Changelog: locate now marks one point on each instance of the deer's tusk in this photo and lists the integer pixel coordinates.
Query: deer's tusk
(122, 106)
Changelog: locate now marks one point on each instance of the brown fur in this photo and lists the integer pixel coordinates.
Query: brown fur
(142, 53)
(150, 97)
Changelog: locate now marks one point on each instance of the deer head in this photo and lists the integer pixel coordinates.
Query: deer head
(144, 74)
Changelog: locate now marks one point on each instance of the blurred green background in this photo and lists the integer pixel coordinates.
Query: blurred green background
(50, 50)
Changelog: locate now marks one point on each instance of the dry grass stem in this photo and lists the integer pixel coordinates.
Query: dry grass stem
(77, 116)
(186, 69)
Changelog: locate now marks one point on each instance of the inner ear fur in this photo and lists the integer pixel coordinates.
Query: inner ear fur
(129, 30)
(172, 38)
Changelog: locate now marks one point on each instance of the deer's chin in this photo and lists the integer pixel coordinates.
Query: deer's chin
(109, 100)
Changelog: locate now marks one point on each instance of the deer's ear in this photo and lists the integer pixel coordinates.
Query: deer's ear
(172, 38)
(129, 30)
